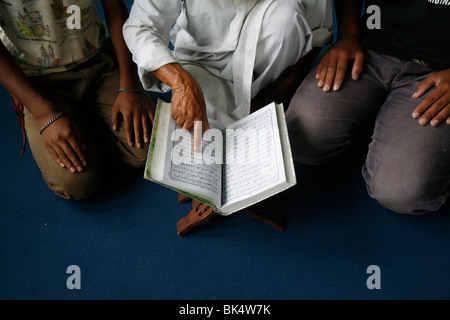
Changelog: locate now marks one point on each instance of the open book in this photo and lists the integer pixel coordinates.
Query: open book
(237, 166)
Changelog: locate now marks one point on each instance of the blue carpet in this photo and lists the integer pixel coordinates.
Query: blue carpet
(124, 240)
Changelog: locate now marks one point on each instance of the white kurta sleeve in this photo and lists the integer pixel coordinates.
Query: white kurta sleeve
(319, 14)
(147, 33)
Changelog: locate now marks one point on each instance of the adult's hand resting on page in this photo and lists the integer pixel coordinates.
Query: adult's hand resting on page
(334, 63)
(188, 104)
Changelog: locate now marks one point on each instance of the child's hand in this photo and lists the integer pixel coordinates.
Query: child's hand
(136, 110)
(65, 143)
(435, 108)
(333, 66)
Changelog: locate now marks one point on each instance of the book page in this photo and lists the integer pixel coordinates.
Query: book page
(189, 170)
(253, 157)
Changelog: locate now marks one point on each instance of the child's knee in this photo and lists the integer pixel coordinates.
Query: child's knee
(75, 186)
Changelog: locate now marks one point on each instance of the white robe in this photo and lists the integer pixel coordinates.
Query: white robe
(217, 43)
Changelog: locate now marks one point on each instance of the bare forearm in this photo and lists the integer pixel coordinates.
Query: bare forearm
(348, 15)
(15, 81)
(172, 74)
(116, 14)
(333, 66)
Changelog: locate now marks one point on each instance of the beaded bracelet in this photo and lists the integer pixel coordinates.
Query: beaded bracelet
(130, 90)
(49, 122)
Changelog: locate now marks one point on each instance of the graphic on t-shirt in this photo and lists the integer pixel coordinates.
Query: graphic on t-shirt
(31, 24)
(60, 10)
(89, 48)
(61, 15)
(37, 35)
(48, 58)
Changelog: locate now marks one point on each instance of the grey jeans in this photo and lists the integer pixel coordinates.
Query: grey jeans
(407, 168)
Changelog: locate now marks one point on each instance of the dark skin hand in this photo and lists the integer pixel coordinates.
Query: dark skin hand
(62, 138)
(65, 143)
(134, 109)
(333, 66)
(136, 112)
(434, 109)
(335, 61)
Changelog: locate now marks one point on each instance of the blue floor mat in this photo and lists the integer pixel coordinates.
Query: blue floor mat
(124, 240)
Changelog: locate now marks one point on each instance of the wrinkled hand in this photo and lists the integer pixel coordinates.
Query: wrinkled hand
(435, 108)
(334, 63)
(65, 143)
(188, 104)
(188, 109)
(136, 110)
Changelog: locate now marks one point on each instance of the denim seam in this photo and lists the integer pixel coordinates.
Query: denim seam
(395, 81)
